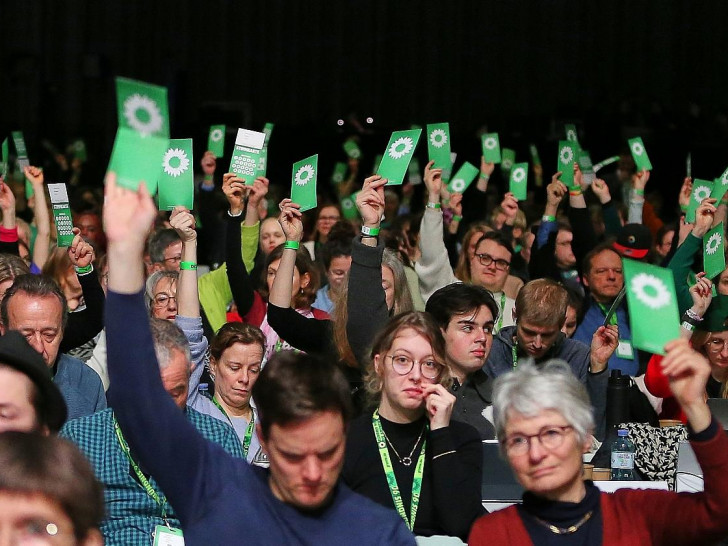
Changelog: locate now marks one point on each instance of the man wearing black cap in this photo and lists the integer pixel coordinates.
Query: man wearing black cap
(29, 400)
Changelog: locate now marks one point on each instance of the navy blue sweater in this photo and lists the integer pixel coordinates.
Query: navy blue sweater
(219, 499)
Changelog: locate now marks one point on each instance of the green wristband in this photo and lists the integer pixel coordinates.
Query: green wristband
(639, 192)
(191, 266)
(548, 218)
(432, 205)
(84, 270)
(369, 232)
(293, 245)
(457, 218)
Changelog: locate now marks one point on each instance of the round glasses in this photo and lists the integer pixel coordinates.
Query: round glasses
(716, 345)
(487, 259)
(403, 365)
(550, 437)
(162, 300)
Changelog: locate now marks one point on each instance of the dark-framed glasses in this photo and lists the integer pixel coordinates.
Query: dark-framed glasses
(487, 259)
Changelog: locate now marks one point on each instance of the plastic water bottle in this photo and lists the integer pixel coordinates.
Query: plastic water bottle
(622, 456)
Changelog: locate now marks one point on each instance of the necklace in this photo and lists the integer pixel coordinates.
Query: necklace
(568, 530)
(406, 461)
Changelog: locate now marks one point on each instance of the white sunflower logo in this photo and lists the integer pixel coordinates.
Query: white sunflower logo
(457, 185)
(724, 178)
(637, 148)
(490, 143)
(151, 120)
(347, 204)
(571, 135)
(650, 290)
(711, 247)
(567, 155)
(304, 175)
(182, 162)
(507, 163)
(700, 193)
(519, 174)
(338, 177)
(216, 135)
(400, 147)
(438, 138)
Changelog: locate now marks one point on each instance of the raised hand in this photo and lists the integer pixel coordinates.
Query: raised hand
(555, 192)
(128, 215)
(258, 191)
(80, 252)
(601, 190)
(510, 208)
(438, 404)
(604, 342)
(685, 191)
(701, 293)
(34, 175)
(688, 372)
(433, 182)
(704, 216)
(234, 189)
(290, 220)
(370, 201)
(183, 222)
(640, 179)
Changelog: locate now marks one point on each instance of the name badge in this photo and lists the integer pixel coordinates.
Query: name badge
(168, 536)
(624, 349)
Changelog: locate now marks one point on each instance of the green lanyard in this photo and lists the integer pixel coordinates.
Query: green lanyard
(605, 310)
(248, 431)
(515, 356)
(392, 479)
(162, 502)
(502, 312)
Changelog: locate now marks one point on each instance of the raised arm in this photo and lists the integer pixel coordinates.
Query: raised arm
(42, 244)
(238, 277)
(9, 228)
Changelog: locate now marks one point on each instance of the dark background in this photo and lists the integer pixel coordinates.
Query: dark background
(618, 69)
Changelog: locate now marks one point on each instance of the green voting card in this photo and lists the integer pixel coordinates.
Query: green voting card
(508, 158)
(639, 154)
(438, 148)
(535, 159)
(377, 162)
(571, 134)
(339, 174)
(714, 251)
(267, 131)
(142, 107)
(58, 194)
(5, 160)
(491, 147)
(720, 186)
(216, 140)
(414, 173)
(78, 147)
(303, 183)
(352, 149)
(567, 157)
(463, 178)
(348, 207)
(653, 311)
(176, 182)
(20, 150)
(246, 154)
(702, 189)
(519, 181)
(586, 166)
(397, 156)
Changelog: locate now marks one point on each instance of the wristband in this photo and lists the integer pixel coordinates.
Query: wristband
(687, 326)
(639, 192)
(84, 270)
(693, 315)
(292, 245)
(683, 208)
(369, 232)
(548, 218)
(231, 215)
(431, 205)
(187, 266)
(457, 218)
(208, 178)
(485, 177)
(575, 193)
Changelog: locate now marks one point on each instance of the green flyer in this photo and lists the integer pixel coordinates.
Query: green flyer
(571, 134)
(303, 183)
(399, 152)
(176, 182)
(20, 150)
(491, 148)
(78, 147)
(519, 181)
(377, 162)
(267, 131)
(244, 162)
(720, 186)
(535, 159)
(438, 148)
(714, 251)
(352, 149)
(463, 178)
(414, 172)
(61, 213)
(339, 174)
(348, 207)
(216, 140)
(508, 158)
(702, 189)
(652, 304)
(5, 160)
(585, 164)
(639, 154)
(143, 133)
(567, 157)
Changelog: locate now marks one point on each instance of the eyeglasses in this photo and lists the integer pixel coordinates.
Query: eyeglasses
(429, 368)
(487, 259)
(162, 300)
(329, 218)
(173, 259)
(550, 437)
(717, 345)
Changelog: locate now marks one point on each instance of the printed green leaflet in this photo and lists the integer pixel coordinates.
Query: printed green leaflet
(244, 161)
(720, 186)
(263, 157)
(508, 158)
(22, 160)
(348, 206)
(352, 149)
(519, 181)
(639, 154)
(438, 148)
(491, 147)
(653, 311)
(570, 132)
(535, 159)
(339, 174)
(61, 213)
(5, 159)
(463, 178)
(216, 140)
(303, 183)
(714, 251)
(702, 189)
(567, 157)
(176, 183)
(397, 156)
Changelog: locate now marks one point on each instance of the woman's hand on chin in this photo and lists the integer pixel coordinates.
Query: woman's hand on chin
(438, 403)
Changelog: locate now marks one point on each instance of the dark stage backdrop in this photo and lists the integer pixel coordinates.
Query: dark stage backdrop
(522, 67)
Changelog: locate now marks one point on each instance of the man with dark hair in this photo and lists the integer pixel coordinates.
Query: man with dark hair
(466, 315)
(165, 250)
(35, 306)
(540, 314)
(29, 400)
(132, 514)
(221, 499)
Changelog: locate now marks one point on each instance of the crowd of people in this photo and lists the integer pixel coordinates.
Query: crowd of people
(332, 380)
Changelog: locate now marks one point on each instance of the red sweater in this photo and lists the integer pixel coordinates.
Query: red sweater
(632, 516)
